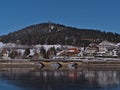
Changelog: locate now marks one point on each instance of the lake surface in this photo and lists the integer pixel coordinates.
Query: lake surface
(77, 79)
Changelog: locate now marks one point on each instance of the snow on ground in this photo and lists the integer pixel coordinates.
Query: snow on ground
(35, 48)
(56, 46)
(10, 45)
(1, 44)
(47, 46)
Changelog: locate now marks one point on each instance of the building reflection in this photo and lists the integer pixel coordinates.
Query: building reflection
(31, 78)
(108, 78)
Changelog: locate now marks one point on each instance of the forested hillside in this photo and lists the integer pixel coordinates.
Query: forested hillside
(51, 33)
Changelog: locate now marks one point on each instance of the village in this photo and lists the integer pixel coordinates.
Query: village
(103, 51)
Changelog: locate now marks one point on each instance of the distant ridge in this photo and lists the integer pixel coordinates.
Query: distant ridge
(52, 33)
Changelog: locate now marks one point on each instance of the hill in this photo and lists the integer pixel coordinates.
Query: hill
(52, 33)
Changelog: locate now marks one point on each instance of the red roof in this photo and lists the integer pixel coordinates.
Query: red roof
(73, 50)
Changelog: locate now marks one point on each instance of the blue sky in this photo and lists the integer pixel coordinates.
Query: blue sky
(101, 15)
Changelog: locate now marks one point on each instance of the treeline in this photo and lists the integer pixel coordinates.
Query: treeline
(26, 53)
(51, 33)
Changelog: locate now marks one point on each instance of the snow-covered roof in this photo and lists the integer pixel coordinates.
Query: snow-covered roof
(118, 44)
(106, 43)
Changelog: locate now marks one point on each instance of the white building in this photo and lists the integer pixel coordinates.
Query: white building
(106, 48)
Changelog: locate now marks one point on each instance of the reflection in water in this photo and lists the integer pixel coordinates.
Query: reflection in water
(33, 79)
(102, 78)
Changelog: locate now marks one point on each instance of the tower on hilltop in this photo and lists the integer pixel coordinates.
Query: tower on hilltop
(50, 26)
